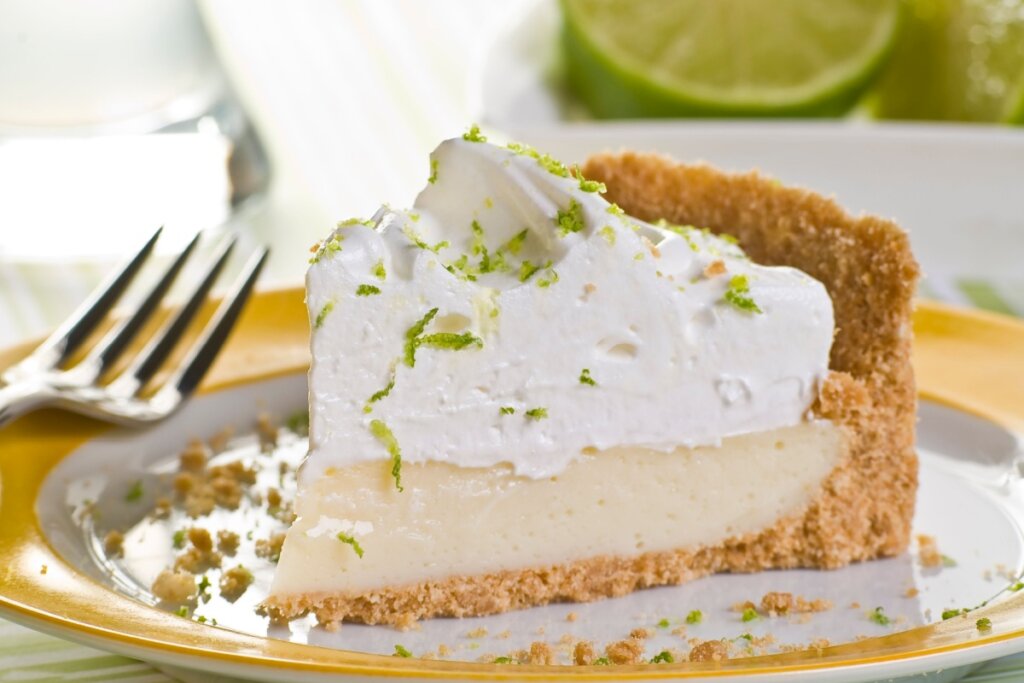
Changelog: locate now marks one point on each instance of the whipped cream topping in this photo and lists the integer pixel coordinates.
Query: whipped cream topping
(515, 316)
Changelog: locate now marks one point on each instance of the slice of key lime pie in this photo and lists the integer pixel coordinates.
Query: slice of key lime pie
(522, 393)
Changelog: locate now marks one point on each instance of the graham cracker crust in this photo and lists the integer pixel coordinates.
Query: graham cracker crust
(866, 504)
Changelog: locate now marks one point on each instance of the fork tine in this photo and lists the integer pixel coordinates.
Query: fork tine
(205, 350)
(109, 349)
(156, 352)
(67, 338)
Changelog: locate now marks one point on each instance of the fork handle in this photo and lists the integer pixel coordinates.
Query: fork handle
(21, 397)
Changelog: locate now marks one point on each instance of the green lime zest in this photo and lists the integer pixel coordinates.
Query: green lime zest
(433, 172)
(589, 185)
(384, 434)
(346, 538)
(663, 657)
(515, 243)
(508, 410)
(378, 270)
(664, 623)
(608, 233)
(983, 624)
(367, 290)
(950, 613)
(178, 539)
(551, 278)
(570, 220)
(298, 422)
(368, 222)
(416, 239)
(749, 614)
(399, 650)
(602, 661)
(478, 237)
(412, 336)
(878, 616)
(527, 269)
(537, 413)
(474, 134)
(383, 393)
(328, 248)
(451, 340)
(694, 617)
(182, 611)
(585, 377)
(134, 492)
(324, 312)
(736, 294)
(504, 660)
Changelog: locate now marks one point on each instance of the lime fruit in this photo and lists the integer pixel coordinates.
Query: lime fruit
(632, 58)
(959, 60)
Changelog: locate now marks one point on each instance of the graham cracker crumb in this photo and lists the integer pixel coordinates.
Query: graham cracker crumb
(443, 650)
(715, 268)
(183, 483)
(629, 651)
(571, 616)
(651, 247)
(540, 653)
(44, 569)
(505, 634)
(775, 603)
(174, 587)
(113, 544)
(219, 442)
(234, 582)
(270, 548)
(477, 632)
(273, 498)
(227, 493)
(911, 592)
(201, 539)
(267, 432)
(406, 622)
(196, 561)
(583, 653)
(193, 458)
(640, 633)
(709, 651)
(928, 551)
(227, 542)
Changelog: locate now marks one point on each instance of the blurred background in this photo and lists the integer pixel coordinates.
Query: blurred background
(274, 120)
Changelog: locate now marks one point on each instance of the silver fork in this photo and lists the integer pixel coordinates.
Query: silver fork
(43, 378)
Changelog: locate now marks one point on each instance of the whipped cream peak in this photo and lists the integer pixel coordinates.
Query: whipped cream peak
(514, 316)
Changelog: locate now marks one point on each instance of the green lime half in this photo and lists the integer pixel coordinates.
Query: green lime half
(629, 58)
(958, 60)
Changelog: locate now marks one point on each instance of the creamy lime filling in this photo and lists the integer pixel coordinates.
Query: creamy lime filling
(470, 521)
(514, 317)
